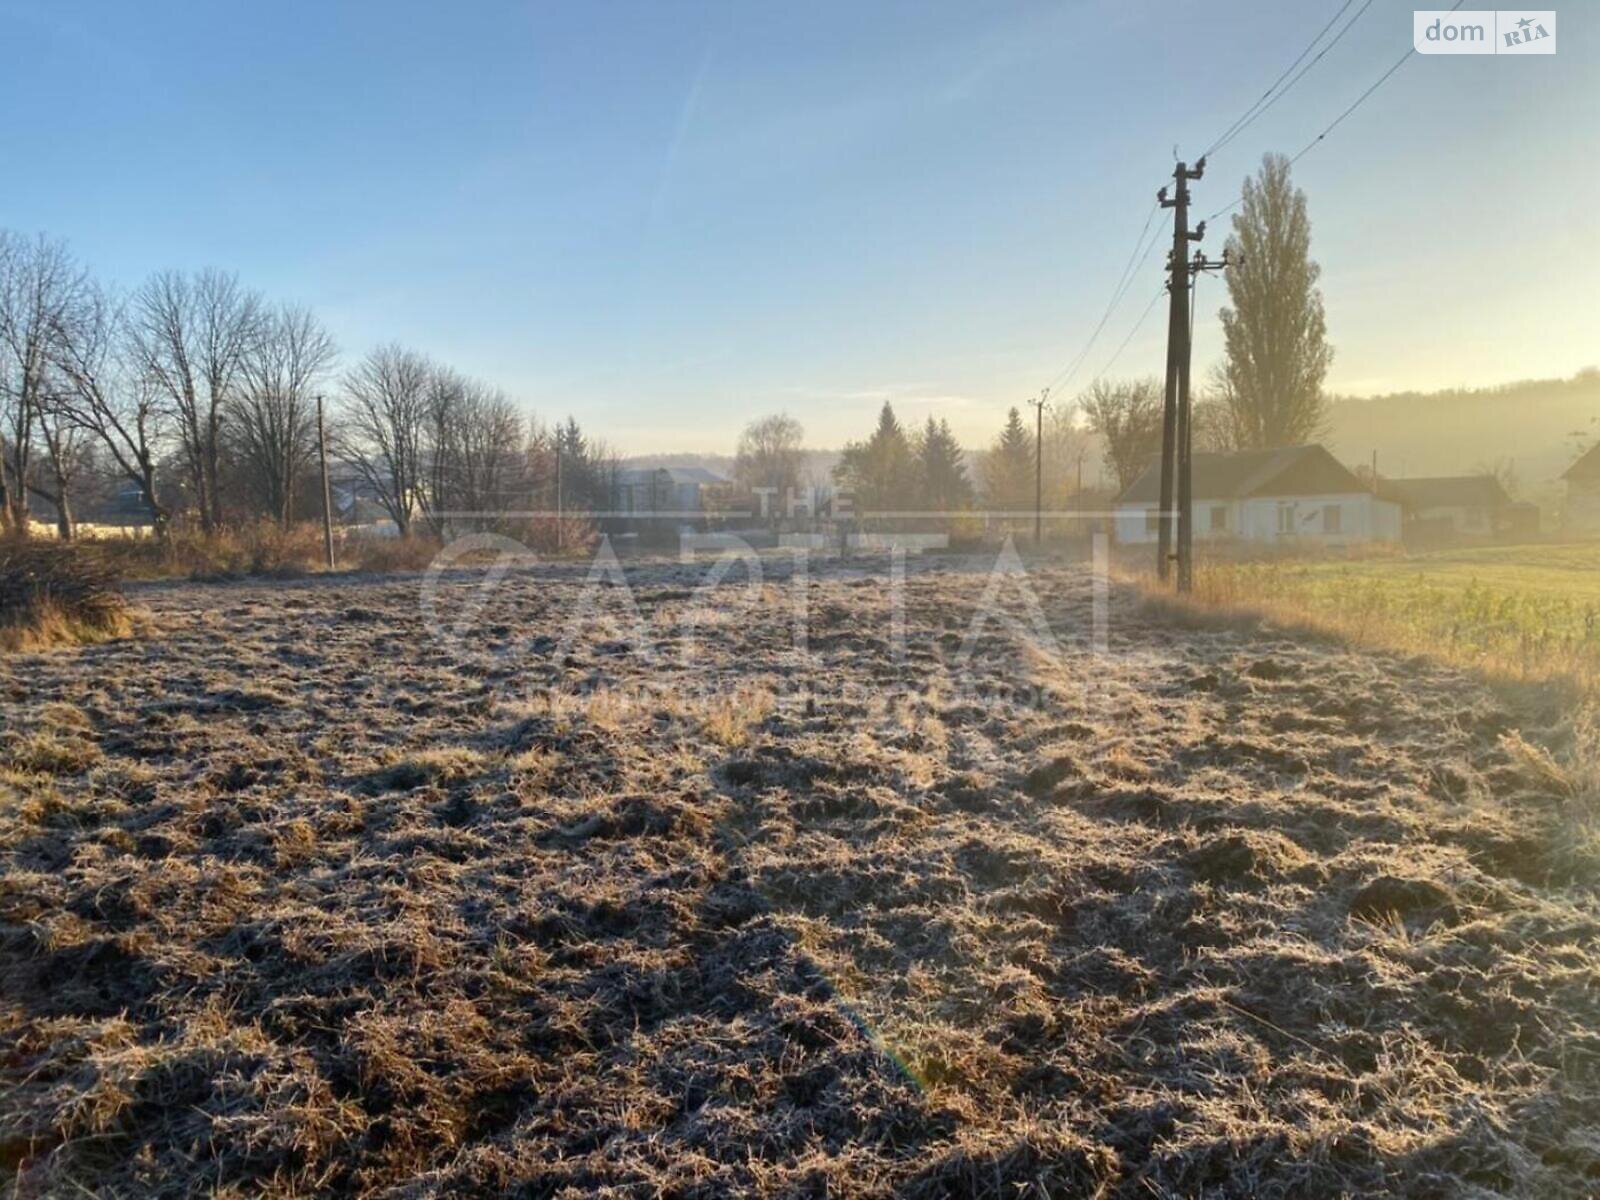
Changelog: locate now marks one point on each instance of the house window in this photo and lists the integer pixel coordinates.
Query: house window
(1332, 519)
(1219, 518)
(1152, 522)
(1285, 518)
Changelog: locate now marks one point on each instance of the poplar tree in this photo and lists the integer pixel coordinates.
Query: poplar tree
(1274, 329)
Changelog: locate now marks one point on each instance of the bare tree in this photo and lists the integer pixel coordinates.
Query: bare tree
(1066, 447)
(193, 334)
(1127, 416)
(445, 389)
(39, 282)
(481, 454)
(385, 424)
(1215, 424)
(1504, 471)
(770, 456)
(67, 457)
(273, 415)
(108, 396)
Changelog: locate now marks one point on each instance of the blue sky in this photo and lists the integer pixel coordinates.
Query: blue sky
(667, 217)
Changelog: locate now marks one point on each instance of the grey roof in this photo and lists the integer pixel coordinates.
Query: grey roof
(1447, 491)
(1587, 467)
(671, 474)
(1287, 471)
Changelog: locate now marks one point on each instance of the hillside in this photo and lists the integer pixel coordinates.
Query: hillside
(1451, 432)
(1528, 427)
(817, 467)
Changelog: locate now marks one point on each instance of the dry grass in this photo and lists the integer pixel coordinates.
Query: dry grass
(266, 550)
(729, 720)
(261, 550)
(384, 555)
(51, 594)
(329, 912)
(1524, 613)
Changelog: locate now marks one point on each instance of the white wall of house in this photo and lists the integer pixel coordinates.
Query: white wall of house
(1463, 518)
(1334, 520)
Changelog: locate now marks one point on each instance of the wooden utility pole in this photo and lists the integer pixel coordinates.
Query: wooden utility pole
(1038, 466)
(1186, 433)
(1177, 348)
(1197, 266)
(327, 491)
(1177, 426)
(561, 533)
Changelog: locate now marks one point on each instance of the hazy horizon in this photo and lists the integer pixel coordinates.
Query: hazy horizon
(670, 221)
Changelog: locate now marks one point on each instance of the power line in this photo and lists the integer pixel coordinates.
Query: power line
(1268, 98)
(1339, 120)
(1137, 325)
(1293, 73)
(1246, 115)
(1141, 251)
(1361, 99)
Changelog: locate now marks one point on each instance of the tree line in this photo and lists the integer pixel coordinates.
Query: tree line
(198, 396)
(1266, 392)
(921, 470)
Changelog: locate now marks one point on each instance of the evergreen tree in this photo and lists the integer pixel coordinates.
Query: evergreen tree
(1008, 468)
(879, 473)
(941, 474)
(1276, 335)
(587, 468)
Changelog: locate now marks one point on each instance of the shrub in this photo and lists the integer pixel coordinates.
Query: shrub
(265, 549)
(546, 535)
(52, 592)
(262, 549)
(380, 555)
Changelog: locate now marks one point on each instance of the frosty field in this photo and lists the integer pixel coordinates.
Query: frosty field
(300, 898)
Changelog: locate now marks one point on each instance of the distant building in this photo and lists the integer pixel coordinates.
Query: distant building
(1582, 513)
(1451, 508)
(682, 493)
(355, 500)
(1294, 495)
(124, 506)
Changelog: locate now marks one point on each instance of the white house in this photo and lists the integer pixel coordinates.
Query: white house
(1297, 495)
(1582, 513)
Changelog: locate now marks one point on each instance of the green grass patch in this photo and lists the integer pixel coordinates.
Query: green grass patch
(1531, 610)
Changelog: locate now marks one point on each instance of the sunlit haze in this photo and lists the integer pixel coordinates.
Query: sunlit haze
(667, 218)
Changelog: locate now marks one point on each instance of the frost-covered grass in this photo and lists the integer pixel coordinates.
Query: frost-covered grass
(296, 901)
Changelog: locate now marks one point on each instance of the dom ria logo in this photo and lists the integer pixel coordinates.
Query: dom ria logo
(1487, 31)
